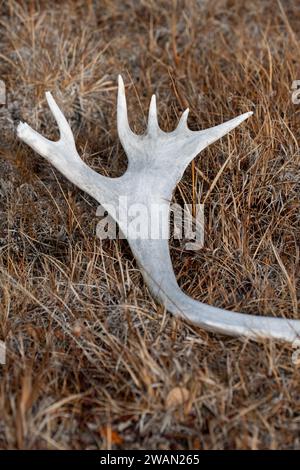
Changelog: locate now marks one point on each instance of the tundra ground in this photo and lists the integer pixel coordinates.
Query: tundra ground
(92, 361)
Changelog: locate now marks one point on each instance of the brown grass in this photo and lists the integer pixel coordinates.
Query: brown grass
(93, 362)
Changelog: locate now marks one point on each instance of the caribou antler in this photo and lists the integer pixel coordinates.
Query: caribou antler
(156, 162)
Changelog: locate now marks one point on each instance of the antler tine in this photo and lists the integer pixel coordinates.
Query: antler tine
(63, 125)
(182, 124)
(32, 138)
(153, 126)
(199, 140)
(124, 130)
(48, 148)
(214, 133)
(64, 156)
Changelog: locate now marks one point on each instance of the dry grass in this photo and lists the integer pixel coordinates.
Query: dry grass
(91, 358)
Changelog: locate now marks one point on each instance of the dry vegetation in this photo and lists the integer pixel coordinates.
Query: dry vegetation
(93, 362)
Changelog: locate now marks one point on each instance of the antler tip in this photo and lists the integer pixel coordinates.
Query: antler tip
(152, 117)
(21, 128)
(242, 117)
(49, 96)
(250, 113)
(152, 107)
(50, 100)
(183, 120)
(120, 82)
(185, 114)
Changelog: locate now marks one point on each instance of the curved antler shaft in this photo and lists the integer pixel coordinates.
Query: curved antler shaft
(154, 260)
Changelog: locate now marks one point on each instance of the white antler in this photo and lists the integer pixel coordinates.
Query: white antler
(156, 162)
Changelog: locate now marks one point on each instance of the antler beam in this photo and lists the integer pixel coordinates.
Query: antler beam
(156, 162)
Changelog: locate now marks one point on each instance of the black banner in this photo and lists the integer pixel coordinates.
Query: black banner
(135, 459)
